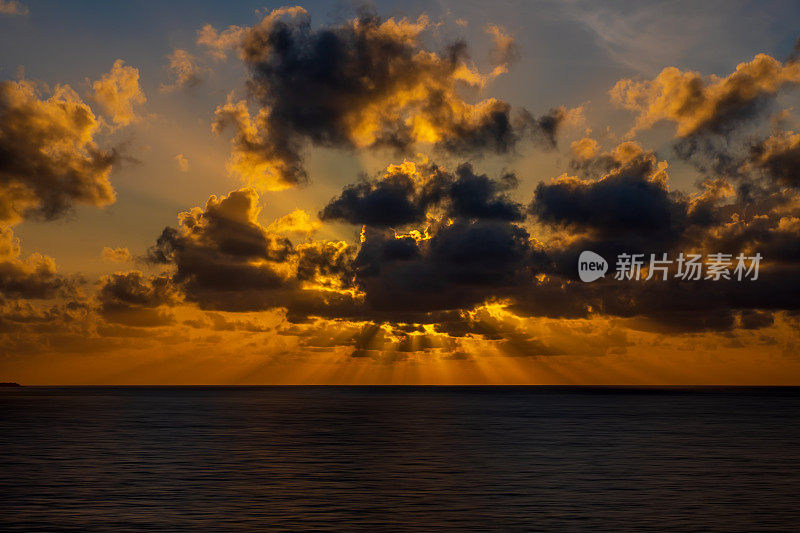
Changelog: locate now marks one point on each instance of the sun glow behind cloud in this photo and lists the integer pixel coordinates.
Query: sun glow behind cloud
(442, 262)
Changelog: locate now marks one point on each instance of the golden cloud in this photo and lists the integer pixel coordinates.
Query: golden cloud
(118, 92)
(116, 255)
(185, 70)
(50, 159)
(696, 103)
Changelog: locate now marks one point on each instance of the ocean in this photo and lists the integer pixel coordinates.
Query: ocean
(399, 459)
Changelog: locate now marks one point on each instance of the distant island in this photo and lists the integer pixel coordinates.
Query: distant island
(9, 384)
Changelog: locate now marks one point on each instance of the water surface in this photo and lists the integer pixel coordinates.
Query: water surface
(399, 459)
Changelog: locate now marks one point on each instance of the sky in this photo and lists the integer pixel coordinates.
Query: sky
(399, 193)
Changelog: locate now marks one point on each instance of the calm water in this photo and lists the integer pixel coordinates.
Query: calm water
(399, 459)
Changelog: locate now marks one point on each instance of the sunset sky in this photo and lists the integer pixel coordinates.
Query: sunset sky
(395, 193)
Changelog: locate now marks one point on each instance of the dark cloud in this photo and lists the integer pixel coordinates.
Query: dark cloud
(406, 193)
(459, 267)
(132, 288)
(437, 244)
(32, 277)
(401, 196)
(778, 156)
(543, 129)
(775, 235)
(795, 54)
(262, 154)
(631, 201)
(224, 259)
(28, 327)
(624, 205)
(474, 250)
(328, 263)
(368, 82)
(17, 316)
(131, 299)
(48, 158)
(751, 319)
(471, 248)
(477, 196)
(223, 248)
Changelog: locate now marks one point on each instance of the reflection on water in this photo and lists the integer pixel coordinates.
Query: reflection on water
(400, 459)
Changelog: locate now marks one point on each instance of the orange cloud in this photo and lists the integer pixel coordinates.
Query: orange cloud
(259, 156)
(504, 50)
(50, 157)
(116, 255)
(219, 43)
(298, 221)
(183, 163)
(185, 70)
(585, 148)
(118, 92)
(696, 103)
(32, 277)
